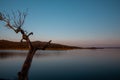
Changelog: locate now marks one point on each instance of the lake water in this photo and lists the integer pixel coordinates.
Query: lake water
(99, 64)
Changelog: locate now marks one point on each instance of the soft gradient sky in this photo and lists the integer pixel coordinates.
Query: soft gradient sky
(71, 22)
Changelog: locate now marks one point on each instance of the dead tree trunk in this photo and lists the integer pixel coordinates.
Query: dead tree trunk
(15, 23)
(23, 74)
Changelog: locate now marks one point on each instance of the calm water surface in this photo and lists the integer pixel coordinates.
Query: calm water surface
(100, 64)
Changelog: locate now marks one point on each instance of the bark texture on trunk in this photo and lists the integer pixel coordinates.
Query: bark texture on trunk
(23, 74)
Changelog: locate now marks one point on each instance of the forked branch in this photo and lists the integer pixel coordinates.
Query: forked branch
(13, 21)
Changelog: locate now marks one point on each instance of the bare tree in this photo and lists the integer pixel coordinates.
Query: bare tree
(15, 22)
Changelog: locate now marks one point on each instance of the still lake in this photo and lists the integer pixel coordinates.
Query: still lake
(99, 64)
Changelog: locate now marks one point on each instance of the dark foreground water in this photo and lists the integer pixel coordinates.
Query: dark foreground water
(100, 64)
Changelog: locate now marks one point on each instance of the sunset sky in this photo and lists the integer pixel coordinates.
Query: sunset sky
(71, 22)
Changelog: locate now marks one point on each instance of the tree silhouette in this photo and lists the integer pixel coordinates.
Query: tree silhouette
(15, 22)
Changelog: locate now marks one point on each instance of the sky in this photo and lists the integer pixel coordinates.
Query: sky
(70, 22)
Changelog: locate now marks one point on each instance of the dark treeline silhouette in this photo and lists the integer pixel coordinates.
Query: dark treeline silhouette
(4, 44)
